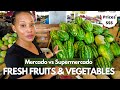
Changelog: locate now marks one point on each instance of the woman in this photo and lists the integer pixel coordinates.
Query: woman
(25, 47)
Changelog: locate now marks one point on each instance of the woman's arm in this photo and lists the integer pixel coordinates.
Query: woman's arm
(55, 51)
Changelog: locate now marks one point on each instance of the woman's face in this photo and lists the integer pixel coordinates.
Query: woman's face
(24, 26)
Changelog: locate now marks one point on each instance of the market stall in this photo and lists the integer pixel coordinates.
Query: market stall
(79, 40)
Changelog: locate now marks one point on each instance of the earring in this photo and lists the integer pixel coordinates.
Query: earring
(15, 31)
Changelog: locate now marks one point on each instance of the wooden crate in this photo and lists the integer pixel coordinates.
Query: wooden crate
(43, 34)
(114, 31)
(117, 38)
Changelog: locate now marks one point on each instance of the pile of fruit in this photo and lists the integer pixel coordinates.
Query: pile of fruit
(6, 42)
(84, 40)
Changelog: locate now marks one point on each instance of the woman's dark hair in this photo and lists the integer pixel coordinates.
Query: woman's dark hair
(15, 13)
(38, 19)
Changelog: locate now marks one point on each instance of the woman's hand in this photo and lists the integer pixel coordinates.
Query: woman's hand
(55, 51)
(49, 54)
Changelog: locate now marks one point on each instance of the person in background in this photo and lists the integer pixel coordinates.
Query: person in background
(38, 20)
(47, 20)
(25, 46)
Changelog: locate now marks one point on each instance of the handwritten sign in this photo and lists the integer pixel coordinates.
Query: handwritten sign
(109, 19)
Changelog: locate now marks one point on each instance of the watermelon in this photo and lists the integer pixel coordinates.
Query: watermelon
(69, 27)
(94, 45)
(94, 51)
(63, 26)
(62, 54)
(77, 47)
(89, 38)
(69, 48)
(107, 44)
(71, 38)
(87, 25)
(78, 20)
(81, 34)
(97, 29)
(102, 62)
(81, 43)
(109, 38)
(115, 48)
(105, 52)
(53, 35)
(73, 29)
(105, 31)
(86, 53)
(63, 35)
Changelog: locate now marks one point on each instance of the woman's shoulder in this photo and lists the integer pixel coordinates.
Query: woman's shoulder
(14, 49)
(13, 56)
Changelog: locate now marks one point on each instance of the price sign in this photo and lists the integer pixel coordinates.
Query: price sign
(109, 19)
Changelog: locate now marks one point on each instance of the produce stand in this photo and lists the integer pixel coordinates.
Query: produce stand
(5, 43)
(44, 39)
